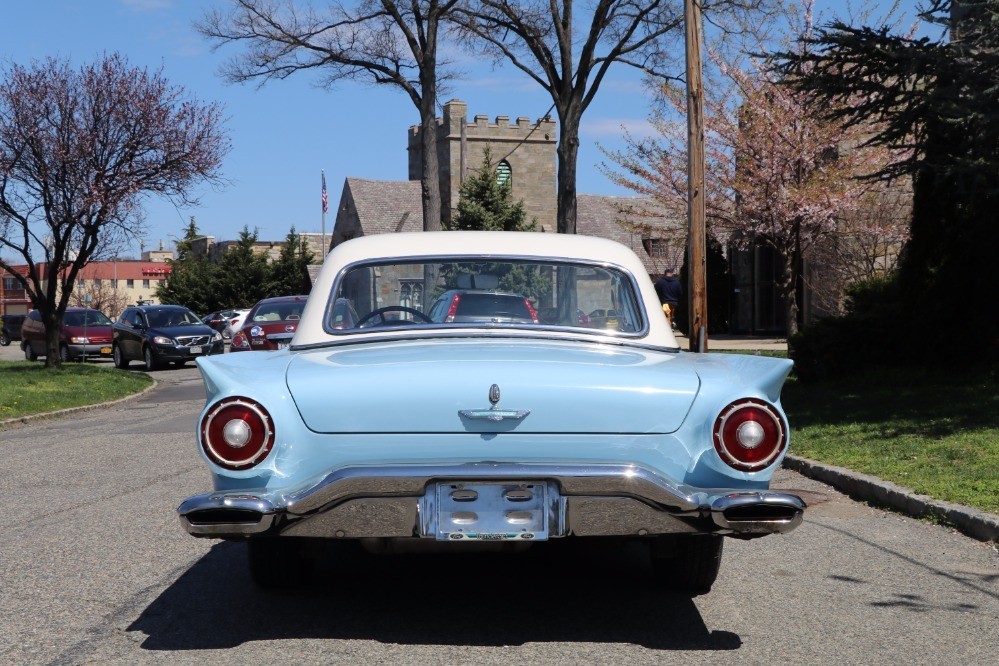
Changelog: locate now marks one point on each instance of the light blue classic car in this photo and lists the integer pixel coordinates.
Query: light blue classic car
(444, 408)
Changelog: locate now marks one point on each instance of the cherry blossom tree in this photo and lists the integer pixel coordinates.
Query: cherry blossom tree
(777, 171)
(79, 151)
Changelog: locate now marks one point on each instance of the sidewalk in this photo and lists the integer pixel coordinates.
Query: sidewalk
(738, 342)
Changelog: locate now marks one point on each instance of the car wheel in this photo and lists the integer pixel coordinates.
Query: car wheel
(120, 361)
(279, 561)
(150, 360)
(687, 562)
(4, 339)
(29, 353)
(64, 356)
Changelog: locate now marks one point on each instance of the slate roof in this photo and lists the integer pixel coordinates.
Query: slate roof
(628, 220)
(387, 206)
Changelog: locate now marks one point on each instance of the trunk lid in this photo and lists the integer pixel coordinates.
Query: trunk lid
(420, 387)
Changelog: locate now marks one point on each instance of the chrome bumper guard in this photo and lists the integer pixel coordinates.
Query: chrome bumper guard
(582, 500)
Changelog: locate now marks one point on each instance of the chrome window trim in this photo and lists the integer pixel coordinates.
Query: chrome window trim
(537, 259)
(507, 334)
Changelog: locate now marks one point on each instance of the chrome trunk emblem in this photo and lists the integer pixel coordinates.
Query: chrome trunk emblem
(494, 413)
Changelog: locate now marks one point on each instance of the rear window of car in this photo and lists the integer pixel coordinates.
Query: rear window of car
(491, 305)
(268, 312)
(487, 293)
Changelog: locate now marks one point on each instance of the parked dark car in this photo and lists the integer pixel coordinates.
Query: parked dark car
(10, 328)
(160, 334)
(476, 306)
(270, 324)
(84, 332)
(219, 319)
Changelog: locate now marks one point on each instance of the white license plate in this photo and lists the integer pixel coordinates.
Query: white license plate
(195, 350)
(497, 511)
(283, 345)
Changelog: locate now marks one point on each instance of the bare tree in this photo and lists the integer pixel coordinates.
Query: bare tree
(382, 42)
(104, 296)
(542, 39)
(79, 150)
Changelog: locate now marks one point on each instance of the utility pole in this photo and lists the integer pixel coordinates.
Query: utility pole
(696, 263)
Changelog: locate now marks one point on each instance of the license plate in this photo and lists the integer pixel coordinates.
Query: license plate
(501, 511)
(283, 345)
(105, 350)
(195, 350)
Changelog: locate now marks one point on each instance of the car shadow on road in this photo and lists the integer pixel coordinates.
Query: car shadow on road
(558, 593)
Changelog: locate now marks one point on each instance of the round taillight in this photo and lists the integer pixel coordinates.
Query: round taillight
(237, 433)
(239, 341)
(749, 434)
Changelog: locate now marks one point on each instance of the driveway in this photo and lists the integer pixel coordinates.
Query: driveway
(97, 569)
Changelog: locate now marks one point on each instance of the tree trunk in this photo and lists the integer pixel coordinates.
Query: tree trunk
(52, 326)
(430, 184)
(789, 287)
(568, 152)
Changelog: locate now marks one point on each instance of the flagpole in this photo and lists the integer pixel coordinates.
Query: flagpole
(324, 251)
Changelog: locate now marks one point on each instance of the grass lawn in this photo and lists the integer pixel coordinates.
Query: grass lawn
(933, 432)
(30, 388)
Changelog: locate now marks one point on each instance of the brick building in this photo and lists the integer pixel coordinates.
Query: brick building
(110, 284)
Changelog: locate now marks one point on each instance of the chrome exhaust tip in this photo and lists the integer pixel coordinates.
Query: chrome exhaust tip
(758, 512)
(219, 516)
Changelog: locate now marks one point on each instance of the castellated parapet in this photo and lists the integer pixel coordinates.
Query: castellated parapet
(528, 147)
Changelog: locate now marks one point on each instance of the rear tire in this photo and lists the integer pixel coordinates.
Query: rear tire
(687, 563)
(4, 339)
(120, 361)
(29, 353)
(279, 561)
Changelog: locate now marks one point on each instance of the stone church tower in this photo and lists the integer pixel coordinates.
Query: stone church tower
(522, 151)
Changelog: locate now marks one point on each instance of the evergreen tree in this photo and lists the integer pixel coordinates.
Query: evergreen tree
(289, 275)
(485, 204)
(935, 101)
(192, 278)
(242, 273)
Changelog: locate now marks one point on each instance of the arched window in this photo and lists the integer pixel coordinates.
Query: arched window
(503, 172)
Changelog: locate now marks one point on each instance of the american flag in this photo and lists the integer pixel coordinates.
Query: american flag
(326, 200)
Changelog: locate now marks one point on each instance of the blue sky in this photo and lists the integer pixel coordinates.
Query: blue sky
(285, 132)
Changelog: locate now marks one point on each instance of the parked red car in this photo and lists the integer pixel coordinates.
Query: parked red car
(270, 325)
(84, 332)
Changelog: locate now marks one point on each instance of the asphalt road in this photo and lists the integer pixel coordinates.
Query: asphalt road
(94, 568)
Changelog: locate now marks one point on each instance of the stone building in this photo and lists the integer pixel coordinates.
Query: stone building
(523, 152)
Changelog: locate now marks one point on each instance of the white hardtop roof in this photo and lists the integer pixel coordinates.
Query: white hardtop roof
(477, 243)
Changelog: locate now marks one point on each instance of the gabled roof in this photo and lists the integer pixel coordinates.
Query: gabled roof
(628, 220)
(387, 206)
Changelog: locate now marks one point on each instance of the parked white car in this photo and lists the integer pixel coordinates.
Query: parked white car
(235, 322)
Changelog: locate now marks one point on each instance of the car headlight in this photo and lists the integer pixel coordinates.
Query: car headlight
(160, 340)
(216, 336)
(80, 341)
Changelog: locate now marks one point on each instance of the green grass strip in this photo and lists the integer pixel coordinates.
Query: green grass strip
(31, 388)
(930, 431)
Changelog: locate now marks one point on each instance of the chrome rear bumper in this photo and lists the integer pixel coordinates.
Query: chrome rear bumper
(586, 500)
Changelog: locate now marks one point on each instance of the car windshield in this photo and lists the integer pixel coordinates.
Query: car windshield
(89, 318)
(267, 312)
(171, 317)
(486, 293)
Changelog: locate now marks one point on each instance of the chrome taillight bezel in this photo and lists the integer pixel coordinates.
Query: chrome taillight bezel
(215, 452)
(728, 450)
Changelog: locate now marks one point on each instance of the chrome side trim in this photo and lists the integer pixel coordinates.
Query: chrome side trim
(494, 414)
